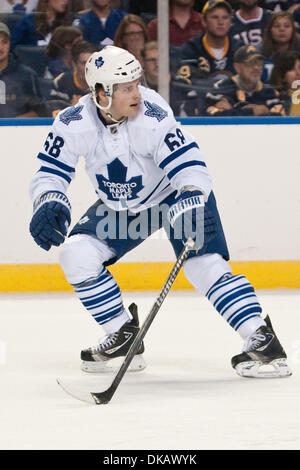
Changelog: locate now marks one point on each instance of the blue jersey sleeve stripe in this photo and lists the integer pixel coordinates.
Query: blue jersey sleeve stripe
(177, 154)
(152, 192)
(53, 161)
(182, 166)
(55, 172)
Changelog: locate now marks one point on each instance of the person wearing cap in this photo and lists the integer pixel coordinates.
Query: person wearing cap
(211, 54)
(22, 97)
(249, 22)
(244, 93)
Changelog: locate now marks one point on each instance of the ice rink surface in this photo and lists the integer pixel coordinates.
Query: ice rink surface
(189, 397)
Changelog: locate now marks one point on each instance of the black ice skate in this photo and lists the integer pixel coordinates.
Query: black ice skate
(101, 358)
(263, 356)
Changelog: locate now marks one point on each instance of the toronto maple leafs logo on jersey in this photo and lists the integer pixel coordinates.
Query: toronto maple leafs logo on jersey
(99, 62)
(153, 110)
(116, 185)
(71, 114)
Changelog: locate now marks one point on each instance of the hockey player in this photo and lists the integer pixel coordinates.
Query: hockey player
(139, 161)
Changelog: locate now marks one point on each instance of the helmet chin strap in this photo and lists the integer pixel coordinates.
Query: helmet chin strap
(106, 109)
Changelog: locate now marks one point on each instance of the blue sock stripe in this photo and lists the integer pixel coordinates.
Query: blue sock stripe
(102, 296)
(107, 316)
(245, 319)
(90, 288)
(219, 285)
(89, 297)
(232, 317)
(97, 289)
(234, 297)
(243, 316)
(118, 306)
(239, 300)
(226, 294)
(102, 304)
(235, 300)
(105, 320)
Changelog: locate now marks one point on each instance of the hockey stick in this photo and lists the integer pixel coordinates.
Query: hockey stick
(101, 398)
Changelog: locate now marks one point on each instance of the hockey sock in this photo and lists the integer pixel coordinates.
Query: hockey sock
(234, 298)
(102, 298)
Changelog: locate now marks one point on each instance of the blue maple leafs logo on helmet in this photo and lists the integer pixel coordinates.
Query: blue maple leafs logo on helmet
(99, 62)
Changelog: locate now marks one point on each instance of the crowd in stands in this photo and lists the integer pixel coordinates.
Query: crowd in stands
(227, 57)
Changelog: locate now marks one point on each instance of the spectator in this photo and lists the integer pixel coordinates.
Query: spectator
(59, 50)
(244, 94)
(285, 78)
(100, 23)
(184, 22)
(279, 36)
(249, 22)
(132, 35)
(211, 54)
(71, 85)
(22, 91)
(17, 6)
(150, 60)
(35, 29)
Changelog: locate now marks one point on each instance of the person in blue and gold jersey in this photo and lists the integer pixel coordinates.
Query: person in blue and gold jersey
(211, 53)
(244, 93)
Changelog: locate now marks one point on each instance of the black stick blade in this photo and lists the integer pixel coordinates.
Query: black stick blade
(102, 398)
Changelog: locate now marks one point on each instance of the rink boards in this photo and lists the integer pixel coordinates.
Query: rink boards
(255, 170)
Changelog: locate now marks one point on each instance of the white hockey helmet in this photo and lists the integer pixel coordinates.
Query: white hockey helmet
(108, 67)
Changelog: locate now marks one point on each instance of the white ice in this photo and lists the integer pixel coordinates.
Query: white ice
(189, 397)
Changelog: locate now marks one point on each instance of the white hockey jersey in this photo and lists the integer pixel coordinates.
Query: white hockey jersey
(132, 165)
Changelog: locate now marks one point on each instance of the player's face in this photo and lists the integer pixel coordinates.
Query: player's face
(250, 72)
(126, 100)
(4, 47)
(58, 6)
(218, 22)
(282, 30)
(292, 75)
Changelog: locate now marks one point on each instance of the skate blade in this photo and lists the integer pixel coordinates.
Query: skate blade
(137, 364)
(257, 369)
